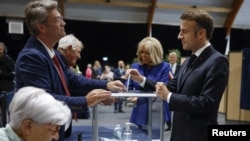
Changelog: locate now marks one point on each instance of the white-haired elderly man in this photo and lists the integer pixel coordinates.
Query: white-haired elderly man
(32, 118)
(70, 48)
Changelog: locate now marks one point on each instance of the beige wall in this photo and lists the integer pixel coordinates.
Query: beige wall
(232, 100)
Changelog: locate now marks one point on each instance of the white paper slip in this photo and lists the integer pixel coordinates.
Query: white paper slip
(126, 94)
(128, 81)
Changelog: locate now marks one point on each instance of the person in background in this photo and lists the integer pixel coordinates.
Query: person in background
(119, 73)
(107, 74)
(97, 69)
(175, 67)
(7, 70)
(70, 48)
(32, 118)
(195, 94)
(151, 65)
(40, 65)
(7, 74)
(88, 71)
(127, 66)
(173, 58)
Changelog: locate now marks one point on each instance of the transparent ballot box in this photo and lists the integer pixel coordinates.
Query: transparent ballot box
(151, 97)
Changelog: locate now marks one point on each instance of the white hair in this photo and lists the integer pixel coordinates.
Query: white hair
(89, 65)
(69, 40)
(39, 106)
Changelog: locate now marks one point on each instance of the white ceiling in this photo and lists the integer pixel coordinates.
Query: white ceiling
(166, 12)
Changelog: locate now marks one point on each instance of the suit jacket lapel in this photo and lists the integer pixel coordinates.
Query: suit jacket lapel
(201, 58)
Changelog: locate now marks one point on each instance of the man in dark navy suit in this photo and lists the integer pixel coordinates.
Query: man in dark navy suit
(195, 92)
(35, 63)
(119, 74)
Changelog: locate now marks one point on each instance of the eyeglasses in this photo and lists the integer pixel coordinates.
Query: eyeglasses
(58, 19)
(54, 128)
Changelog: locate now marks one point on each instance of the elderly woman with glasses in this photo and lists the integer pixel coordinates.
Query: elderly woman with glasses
(35, 115)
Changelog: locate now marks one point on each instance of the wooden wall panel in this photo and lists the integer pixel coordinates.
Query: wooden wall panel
(234, 82)
(245, 115)
(230, 102)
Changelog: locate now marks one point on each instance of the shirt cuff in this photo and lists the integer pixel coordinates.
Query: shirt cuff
(168, 98)
(142, 84)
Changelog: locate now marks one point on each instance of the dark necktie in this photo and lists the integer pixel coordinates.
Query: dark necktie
(63, 81)
(190, 62)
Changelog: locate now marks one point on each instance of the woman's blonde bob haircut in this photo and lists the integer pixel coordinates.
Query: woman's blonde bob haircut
(154, 47)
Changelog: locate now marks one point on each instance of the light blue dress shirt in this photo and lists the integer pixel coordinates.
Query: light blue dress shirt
(7, 134)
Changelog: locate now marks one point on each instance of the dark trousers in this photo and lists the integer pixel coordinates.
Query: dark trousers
(118, 104)
(5, 99)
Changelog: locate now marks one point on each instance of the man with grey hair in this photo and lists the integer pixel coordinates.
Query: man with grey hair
(173, 61)
(70, 47)
(40, 65)
(70, 51)
(32, 118)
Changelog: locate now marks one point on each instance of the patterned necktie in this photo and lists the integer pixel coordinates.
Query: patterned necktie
(62, 77)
